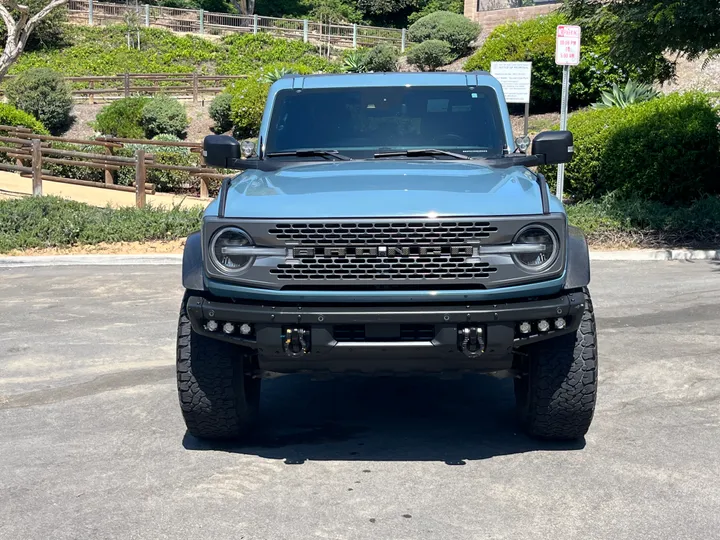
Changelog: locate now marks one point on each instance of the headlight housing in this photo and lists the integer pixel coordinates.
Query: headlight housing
(228, 263)
(544, 256)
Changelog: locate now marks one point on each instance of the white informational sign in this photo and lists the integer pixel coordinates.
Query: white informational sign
(567, 45)
(515, 78)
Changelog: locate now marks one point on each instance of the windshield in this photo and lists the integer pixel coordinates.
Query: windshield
(360, 122)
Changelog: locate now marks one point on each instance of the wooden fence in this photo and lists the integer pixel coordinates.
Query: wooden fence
(192, 86)
(31, 152)
(205, 22)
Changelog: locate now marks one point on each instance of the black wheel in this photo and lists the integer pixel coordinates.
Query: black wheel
(556, 398)
(219, 398)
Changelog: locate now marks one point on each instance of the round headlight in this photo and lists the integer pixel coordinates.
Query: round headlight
(221, 250)
(544, 255)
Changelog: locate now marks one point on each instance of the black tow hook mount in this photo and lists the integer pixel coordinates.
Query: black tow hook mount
(296, 341)
(470, 341)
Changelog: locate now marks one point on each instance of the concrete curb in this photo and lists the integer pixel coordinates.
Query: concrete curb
(89, 260)
(657, 255)
(161, 259)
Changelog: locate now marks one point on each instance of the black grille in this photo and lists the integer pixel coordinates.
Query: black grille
(427, 232)
(406, 332)
(412, 268)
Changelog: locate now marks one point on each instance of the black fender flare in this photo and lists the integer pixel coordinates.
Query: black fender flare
(578, 269)
(192, 263)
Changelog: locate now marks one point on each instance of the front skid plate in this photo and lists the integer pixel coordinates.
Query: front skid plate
(500, 322)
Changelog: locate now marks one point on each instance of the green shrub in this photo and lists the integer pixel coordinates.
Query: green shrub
(666, 150)
(615, 221)
(122, 118)
(163, 114)
(10, 116)
(430, 55)
(381, 58)
(39, 222)
(455, 29)
(534, 41)
(43, 93)
(248, 104)
(220, 112)
(454, 6)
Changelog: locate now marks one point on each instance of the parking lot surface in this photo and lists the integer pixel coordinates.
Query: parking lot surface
(92, 444)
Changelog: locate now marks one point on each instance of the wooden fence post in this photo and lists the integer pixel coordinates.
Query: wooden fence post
(109, 179)
(126, 84)
(196, 84)
(204, 192)
(36, 168)
(140, 178)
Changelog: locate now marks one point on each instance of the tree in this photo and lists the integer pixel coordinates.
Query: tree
(244, 7)
(19, 30)
(643, 30)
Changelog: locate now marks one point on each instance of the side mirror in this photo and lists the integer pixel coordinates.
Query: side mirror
(554, 147)
(220, 151)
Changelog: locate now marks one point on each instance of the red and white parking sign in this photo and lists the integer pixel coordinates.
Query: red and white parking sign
(567, 45)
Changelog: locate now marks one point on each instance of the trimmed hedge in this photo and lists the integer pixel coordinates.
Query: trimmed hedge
(534, 41)
(163, 114)
(122, 118)
(430, 55)
(12, 116)
(453, 28)
(665, 150)
(381, 58)
(220, 112)
(44, 94)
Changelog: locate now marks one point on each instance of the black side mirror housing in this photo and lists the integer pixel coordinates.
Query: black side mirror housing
(554, 147)
(221, 151)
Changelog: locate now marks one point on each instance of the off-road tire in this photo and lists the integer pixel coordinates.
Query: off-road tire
(218, 396)
(556, 398)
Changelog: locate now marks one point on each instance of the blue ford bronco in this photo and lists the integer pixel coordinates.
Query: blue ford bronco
(386, 223)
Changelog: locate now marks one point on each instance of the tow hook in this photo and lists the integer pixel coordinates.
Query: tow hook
(470, 341)
(296, 341)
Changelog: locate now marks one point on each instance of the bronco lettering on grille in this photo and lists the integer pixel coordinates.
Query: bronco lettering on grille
(382, 251)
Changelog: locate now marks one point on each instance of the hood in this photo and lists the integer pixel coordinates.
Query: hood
(382, 188)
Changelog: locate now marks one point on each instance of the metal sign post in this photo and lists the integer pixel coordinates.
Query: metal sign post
(515, 79)
(567, 53)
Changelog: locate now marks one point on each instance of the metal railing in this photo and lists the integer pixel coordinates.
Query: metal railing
(205, 22)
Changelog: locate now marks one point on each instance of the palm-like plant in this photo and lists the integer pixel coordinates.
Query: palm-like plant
(276, 74)
(620, 97)
(354, 62)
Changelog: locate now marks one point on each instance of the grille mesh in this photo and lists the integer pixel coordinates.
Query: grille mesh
(324, 234)
(445, 263)
(351, 268)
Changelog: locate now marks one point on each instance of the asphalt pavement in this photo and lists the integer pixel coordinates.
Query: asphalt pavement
(92, 444)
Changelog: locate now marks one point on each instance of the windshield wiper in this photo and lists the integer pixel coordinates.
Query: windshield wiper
(310, 153)
(421, 152)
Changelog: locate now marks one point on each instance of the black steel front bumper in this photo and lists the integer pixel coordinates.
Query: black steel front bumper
(380, 340)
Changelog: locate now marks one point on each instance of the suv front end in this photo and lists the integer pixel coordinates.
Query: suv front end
(374, 266)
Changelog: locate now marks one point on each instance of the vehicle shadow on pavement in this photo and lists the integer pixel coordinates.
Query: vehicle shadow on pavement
(386, 419)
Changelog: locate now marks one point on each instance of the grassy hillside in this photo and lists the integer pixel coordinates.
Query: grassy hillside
(104, 51)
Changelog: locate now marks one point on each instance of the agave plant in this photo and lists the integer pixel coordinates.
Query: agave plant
(354, 62)
(276, 74)
(633, 92)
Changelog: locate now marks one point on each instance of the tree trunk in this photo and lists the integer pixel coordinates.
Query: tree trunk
(19, 31)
